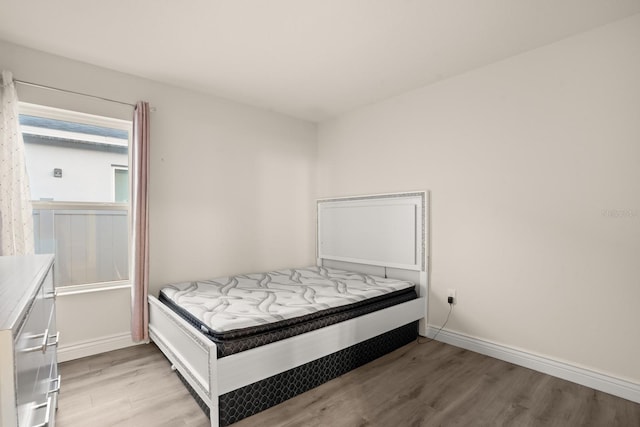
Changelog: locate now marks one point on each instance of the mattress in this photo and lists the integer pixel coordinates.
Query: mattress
(246, 311)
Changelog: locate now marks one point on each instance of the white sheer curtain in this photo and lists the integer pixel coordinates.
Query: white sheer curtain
(16, 220)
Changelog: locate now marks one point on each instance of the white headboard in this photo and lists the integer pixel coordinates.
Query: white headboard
(385, 234)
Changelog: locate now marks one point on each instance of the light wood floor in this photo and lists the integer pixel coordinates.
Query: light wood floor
(431, 384)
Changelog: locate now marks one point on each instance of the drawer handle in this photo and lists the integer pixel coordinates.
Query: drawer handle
(48, 404)
(56, 340)
(58, 382)
(43, 346)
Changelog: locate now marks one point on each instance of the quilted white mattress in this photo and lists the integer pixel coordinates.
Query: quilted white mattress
(246, 301)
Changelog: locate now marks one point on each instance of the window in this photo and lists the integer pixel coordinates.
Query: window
(120, 184)
(78, 173)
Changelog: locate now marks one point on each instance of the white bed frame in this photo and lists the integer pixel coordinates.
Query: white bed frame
(384, 235)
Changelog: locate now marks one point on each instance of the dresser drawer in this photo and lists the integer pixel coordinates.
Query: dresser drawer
(30, 355)
(48, 288)
(27, 337)
(36, 361)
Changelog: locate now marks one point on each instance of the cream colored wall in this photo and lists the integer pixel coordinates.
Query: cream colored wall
(534, 169)
(232, 187)
(529, 161)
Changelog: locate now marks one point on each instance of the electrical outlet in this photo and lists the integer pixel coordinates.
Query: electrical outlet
(452, 293)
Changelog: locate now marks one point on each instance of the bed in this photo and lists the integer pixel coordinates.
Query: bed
(366, 296)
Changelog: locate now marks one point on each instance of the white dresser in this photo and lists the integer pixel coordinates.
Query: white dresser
(29, 381)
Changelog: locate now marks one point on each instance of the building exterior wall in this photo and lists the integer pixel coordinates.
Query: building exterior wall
(87, 174)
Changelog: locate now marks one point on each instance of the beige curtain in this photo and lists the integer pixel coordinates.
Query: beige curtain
(16, 218)
(140, 223)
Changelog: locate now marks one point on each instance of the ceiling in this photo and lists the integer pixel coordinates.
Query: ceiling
(311, 59)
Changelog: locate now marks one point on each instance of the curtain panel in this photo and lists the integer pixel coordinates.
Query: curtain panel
(16, 217)
(140, 223)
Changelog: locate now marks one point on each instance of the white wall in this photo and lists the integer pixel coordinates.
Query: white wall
(232, 187)
(534, 169)
(532, 163)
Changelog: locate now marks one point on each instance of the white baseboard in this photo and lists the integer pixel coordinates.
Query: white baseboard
(96, 346)
(606, 383)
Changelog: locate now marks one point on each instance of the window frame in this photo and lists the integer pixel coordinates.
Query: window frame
(25, 108)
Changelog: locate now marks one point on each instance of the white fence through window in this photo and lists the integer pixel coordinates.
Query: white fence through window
(90, 241)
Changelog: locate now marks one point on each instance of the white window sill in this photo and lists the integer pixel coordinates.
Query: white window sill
(92, 287)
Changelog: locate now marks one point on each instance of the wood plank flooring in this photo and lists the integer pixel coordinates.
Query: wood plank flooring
(432, 384)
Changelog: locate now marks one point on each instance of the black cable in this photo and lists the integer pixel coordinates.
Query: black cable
(441, 327)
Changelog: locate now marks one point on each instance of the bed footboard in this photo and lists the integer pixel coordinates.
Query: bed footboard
(190, 352)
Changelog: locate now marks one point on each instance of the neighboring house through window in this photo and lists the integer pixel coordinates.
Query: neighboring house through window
(120, 184)
(78, 172)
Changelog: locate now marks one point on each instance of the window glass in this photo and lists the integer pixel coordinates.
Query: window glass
(121, 185)
(70, 161)
(78, 174)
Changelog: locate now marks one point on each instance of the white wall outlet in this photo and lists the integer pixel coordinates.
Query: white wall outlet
(452, 293)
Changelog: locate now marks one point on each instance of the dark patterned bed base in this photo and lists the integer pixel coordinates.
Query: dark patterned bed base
(261, 395)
